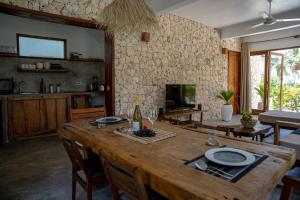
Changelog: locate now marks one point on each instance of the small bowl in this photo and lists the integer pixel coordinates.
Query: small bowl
(249, 124)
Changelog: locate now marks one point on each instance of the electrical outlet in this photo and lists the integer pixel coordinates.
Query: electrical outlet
(78, 83)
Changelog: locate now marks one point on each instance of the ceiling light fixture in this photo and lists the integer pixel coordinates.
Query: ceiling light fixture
(129, 16)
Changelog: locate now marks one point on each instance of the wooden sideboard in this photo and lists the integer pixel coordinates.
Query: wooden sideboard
(36, 115)
(174, 116)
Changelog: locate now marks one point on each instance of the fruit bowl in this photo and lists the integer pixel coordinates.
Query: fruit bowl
(145, 133)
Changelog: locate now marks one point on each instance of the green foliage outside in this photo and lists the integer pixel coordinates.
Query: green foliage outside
(291, 96)
(291, 86)
(260, 91)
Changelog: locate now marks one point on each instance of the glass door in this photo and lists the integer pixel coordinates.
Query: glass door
(276, 84)
(258, 70)
(285, 80)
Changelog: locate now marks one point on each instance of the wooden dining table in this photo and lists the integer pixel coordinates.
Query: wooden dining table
(162, 163)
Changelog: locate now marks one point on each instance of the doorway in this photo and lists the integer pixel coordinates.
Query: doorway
(234, 78)
(275, 80)
(284, 80)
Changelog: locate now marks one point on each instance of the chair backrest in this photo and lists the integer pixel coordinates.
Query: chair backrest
(124, 178)
(87, 113)
(76, 155)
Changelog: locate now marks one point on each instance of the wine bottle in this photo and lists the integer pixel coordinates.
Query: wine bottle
(137, 121)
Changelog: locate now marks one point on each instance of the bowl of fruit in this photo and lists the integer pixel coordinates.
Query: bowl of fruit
(145, 132)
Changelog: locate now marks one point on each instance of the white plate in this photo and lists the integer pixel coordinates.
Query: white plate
(230, 156)
(109, 120)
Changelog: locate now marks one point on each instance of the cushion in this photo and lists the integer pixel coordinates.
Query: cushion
(275, 115)
(292, 141)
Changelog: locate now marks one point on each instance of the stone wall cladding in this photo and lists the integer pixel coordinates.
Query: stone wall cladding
(182, 51)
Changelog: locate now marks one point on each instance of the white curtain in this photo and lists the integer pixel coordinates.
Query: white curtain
(245, 79)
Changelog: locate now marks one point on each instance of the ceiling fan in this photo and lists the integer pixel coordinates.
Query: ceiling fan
(268, 19)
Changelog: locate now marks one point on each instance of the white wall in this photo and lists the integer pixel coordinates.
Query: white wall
(275, 44)
(89, 42)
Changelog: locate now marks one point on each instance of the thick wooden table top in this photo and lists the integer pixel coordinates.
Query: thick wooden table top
(163, 169)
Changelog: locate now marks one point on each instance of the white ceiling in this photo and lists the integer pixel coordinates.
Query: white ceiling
(222, 13)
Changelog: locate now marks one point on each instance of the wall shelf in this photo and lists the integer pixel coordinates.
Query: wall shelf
(86, 60)
(44, 70)
(9, 55)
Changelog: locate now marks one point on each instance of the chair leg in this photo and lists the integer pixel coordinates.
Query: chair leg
(115, 193)
(89, 191)
(73, 186)
(288, 183)
(286, 192)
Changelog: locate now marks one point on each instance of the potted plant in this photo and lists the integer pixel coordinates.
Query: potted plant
(227, 109)
(247, 120)
(260, 92)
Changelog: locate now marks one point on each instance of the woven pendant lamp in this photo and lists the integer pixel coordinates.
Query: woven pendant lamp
(129, 16)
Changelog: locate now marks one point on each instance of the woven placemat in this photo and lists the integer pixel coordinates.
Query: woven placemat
(160, 135)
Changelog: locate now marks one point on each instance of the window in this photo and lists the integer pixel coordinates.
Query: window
(41, 47)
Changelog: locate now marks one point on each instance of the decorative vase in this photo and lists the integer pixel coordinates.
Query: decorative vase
(226, 112)
(260, 106)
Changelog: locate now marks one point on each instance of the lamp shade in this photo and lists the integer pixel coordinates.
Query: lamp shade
(129, 16)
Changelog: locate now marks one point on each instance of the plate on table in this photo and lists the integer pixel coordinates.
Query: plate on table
(109, 120)
(230, 156)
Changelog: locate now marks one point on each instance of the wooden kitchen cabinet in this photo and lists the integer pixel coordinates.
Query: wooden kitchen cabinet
(30, 116)
(17, 118)
(24, 116)
(56, 111)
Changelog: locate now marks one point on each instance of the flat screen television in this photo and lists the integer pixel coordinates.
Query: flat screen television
(180, 97)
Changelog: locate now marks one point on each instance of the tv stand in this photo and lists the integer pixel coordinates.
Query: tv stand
(175, 115)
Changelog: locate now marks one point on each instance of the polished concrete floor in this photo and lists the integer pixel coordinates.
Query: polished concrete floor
(39, 169)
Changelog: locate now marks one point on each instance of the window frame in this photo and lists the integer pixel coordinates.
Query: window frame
(41, 37)
(266, 81)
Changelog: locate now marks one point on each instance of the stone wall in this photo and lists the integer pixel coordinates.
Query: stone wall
(182, 51)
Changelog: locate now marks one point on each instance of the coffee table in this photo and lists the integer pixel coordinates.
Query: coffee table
(259, 130)
(221, 125)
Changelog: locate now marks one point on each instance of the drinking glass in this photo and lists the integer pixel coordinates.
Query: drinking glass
(129, 114)
(101, 124)
(152, 116)
(212, 139)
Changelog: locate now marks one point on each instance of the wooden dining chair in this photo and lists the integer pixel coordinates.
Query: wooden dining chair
(90, 166)
(87, 113)
(126, 179)
(289, 182)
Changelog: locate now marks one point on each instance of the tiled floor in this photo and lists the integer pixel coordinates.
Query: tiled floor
(39, 169)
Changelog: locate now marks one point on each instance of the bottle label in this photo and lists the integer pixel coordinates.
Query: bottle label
(135, 126)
